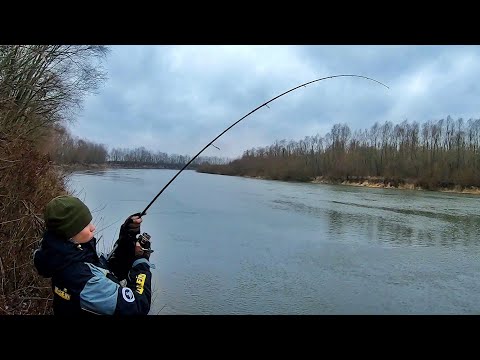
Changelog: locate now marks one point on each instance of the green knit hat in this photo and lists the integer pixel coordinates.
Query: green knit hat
(67, 216)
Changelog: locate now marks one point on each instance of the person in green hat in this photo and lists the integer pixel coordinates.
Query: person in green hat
(84, 282)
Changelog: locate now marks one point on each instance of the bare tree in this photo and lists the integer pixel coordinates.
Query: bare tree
(431, 158)
(42, 85)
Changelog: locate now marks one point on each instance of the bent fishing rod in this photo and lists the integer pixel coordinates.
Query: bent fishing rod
(231, 126)
(236, 122)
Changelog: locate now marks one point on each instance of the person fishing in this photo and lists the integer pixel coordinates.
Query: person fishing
(84, 282)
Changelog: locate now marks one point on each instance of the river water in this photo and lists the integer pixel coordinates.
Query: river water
(232, 245)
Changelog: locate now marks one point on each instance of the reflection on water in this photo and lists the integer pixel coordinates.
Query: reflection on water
(431, 214)
(127, 176)
(412, 227)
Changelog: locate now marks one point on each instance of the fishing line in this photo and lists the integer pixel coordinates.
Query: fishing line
(235, 123)
(251, 112)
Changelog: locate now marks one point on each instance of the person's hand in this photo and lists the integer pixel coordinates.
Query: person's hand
(131, 226)
(143, 252)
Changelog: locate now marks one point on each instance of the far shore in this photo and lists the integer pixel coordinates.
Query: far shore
(381, 184)
(378, 183)
(371, 182)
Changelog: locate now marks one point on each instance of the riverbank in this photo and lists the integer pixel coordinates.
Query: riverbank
(370, 181)
(378, 182)
(381, 183)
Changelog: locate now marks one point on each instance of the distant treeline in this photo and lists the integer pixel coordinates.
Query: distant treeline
(434, 154)
(68, 150)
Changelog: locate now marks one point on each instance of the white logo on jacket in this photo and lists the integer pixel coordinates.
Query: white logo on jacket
(128, 294)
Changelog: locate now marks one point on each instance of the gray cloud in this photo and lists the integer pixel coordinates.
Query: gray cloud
(177, 98)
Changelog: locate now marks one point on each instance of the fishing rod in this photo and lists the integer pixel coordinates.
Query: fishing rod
(251, 112)
(228, 128)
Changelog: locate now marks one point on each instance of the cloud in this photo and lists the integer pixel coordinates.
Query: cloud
(176, 99)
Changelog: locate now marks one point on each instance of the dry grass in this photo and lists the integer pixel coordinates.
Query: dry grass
(28, 181)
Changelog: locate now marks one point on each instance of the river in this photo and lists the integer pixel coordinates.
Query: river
(232, 245)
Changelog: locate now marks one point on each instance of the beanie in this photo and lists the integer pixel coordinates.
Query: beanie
(67, 216)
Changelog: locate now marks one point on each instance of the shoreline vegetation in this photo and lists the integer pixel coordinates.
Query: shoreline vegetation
(42, 86)
(441, 155)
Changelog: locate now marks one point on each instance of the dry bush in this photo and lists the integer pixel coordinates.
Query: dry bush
(41, 86)
(28, 180)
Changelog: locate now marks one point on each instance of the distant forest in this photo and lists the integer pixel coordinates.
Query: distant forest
(442, 153)
(68, 150)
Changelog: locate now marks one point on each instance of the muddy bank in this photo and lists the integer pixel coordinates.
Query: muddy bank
(378, 182)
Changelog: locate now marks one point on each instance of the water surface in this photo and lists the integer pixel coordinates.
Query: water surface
(230, 245)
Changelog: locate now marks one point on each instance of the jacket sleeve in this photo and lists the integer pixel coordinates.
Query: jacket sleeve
(102, 295)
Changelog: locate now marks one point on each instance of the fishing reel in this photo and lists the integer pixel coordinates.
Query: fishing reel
(145, 243)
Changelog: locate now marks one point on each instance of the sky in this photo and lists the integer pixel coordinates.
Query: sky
(176, 99)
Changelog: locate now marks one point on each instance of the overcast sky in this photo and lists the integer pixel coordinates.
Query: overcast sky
(176, 99)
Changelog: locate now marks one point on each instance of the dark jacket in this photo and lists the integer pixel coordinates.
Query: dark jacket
(82, 283)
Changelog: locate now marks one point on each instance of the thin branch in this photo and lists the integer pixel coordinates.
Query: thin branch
(9, 221)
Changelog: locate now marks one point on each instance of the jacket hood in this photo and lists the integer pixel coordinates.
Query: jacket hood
(56, 253)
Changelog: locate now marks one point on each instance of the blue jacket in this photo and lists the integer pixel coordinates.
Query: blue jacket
(82, 282)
